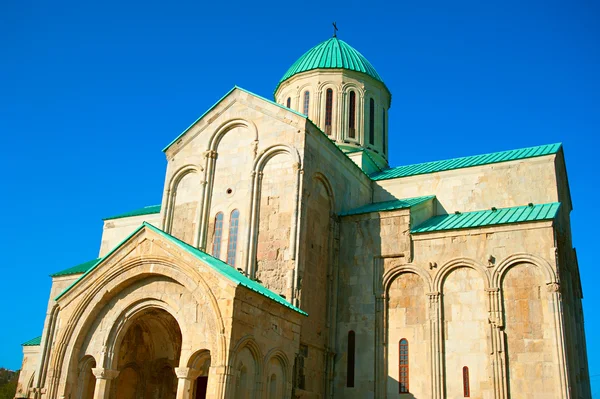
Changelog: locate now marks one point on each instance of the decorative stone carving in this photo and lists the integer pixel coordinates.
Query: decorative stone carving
(105, 374)
(553, 287)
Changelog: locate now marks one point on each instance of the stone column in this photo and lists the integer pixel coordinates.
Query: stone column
(186, 377)
(435, 336)
(103, 379)
(497, 343)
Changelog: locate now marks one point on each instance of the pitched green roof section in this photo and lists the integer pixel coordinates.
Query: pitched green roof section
(491, 217)
(33, 342)
(332, 54)
(147, 210)
(466, 162)
(389, 205)
(81, 268)
(216, 264)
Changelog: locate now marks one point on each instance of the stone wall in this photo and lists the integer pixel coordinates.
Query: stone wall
(116, 230)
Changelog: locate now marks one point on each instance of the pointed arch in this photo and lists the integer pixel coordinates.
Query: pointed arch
(458, 263)
(395, 271)
(542, 264)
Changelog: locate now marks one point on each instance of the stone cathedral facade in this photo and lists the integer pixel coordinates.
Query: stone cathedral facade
(289, 260)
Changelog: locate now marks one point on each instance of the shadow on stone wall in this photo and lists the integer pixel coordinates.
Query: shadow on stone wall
(394, 382)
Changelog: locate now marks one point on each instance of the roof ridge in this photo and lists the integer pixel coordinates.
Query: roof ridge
(466, 161)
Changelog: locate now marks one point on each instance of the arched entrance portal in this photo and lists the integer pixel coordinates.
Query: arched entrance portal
(146, 357)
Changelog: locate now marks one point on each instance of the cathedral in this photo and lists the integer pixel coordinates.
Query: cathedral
(287, 259)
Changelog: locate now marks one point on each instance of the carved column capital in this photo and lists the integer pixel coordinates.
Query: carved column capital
(105, 374)
(186, 373)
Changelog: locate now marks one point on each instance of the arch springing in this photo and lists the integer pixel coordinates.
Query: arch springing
(352, 116)
(328, 111)
(216, 249)
(234, 220)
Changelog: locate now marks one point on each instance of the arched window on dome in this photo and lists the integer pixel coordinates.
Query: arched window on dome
(352, 116)
(403, 366)
(351, 359)
(289, 102)
(234, 220)
(306, 102)
(216, 249)
(466, 385)
(372, 122)
(328, 110)
(384, 133)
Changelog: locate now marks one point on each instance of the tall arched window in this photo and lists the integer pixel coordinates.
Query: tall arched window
(216, 249)
(352, 116)
(306, 102)
(372, 122)
(466, 385)
(233, 233)
(289, 102)
(351, 359)
(403, 366)
(328, 110)
(383, 124)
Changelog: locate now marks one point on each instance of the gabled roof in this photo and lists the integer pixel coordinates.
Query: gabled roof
(81, 268)
(216, 264)
(147, 210)
(388, 205)
(33, 342)
(466, 162)
(220, 100)
(490, 217)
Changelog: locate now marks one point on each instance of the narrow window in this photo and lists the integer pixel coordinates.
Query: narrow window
(233, 232)
(403, 366)
(352, 116)
(466, 386)
(372, 122)
(289, 102)
(351, 359)
(216, 249)
(328, 110)
(306, 102)
(383, 124)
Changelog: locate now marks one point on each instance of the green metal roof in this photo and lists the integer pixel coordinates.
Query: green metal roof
(466, 162)
(216, 264)
(81, 268)
(147, 210)
(490, 217)
(331, 54)
(218, 102)
(33, 342)
(388, 205)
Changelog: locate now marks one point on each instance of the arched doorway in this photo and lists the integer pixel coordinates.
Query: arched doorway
(146, 356)
(200, 364)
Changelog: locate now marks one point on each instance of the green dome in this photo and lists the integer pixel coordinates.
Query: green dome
(332, 54)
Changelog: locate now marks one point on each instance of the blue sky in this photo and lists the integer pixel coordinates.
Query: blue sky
(90, 92)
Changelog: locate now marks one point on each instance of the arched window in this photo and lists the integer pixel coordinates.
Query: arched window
(233, 233)
(372, 122)
(351, 359)
(383, 124)
(216, 249)
(289, 102)
(306, 102)
(466, 385)
(352, 116)
(403, 366)
(328, 110)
